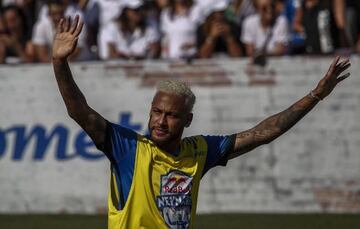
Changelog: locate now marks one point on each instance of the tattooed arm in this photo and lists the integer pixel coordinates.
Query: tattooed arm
(64, 45)
(274, 126)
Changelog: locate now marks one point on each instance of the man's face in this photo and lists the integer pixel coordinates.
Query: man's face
(168, 118)
(134, 15)
(218, 17)
(265, 10)
(12, 20)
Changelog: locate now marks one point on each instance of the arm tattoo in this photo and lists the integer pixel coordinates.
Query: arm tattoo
(272, 127)
(76, 105)
(70, 92)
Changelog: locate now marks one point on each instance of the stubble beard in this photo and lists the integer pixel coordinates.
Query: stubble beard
(163, 142)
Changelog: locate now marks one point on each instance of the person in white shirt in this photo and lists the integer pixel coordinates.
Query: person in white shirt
(218, 36)
(129, 37)
(110, 10)
(239, 10)
(265, 31)
(44, 30)
(178, 24)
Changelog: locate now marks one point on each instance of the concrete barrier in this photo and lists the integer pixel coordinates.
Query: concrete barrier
(48, 164)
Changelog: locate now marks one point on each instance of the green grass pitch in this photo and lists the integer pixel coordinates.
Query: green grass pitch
(227, 221)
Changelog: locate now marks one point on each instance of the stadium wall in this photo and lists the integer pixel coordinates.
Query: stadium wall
(48, 164)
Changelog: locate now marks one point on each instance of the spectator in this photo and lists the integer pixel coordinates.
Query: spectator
(178, 24)
(296, 40)
(290, 7)
(15, 42)
(347, 19)
(129, 37)
(109, 11)
(91, 11)
(2, 26)
(339, 9)
(3, 32)
(238, 10)
(218, 35)
(4, 3)
(353, 22)
(162, 4)
(13, 2)
(28, 8)
(205, 6)
(315, 20)
(154, 9)
(44, 30)
(265, 33)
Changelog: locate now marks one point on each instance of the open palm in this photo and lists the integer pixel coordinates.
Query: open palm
(332, 77)
(66, 37)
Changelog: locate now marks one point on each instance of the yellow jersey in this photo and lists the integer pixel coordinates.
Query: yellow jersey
(150, 188)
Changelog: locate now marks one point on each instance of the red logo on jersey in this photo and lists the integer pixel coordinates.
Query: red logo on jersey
(176, 184)
(174, 200)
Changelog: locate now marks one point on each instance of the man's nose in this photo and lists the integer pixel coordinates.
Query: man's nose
(162, 120)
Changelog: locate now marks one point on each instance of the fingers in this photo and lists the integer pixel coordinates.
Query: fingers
(74, 44)
(333, 65)
(341, 78)
(67, 24)
(59, 28)
(345, 66)
(342, 66)
(74, 24)
(343, 63)
(79, 28)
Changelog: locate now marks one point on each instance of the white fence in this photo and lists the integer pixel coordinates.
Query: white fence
(47, 164)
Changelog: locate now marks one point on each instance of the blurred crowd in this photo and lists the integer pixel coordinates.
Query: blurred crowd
(181, 29)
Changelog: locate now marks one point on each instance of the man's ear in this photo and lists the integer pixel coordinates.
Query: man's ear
(189, 119)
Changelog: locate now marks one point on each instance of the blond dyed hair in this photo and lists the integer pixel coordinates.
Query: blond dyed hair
(178, 88)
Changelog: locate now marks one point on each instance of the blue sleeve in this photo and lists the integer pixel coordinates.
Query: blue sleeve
(218, 148)
(120, 148)
(120, 142)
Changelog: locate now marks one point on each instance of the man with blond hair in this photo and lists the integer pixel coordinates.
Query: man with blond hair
(155, 178)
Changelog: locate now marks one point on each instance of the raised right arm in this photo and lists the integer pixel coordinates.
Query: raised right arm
(64, 45)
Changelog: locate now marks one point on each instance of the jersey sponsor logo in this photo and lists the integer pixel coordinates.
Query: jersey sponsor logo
(175, 201)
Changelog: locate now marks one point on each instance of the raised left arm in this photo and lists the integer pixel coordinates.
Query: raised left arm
(274, 126)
